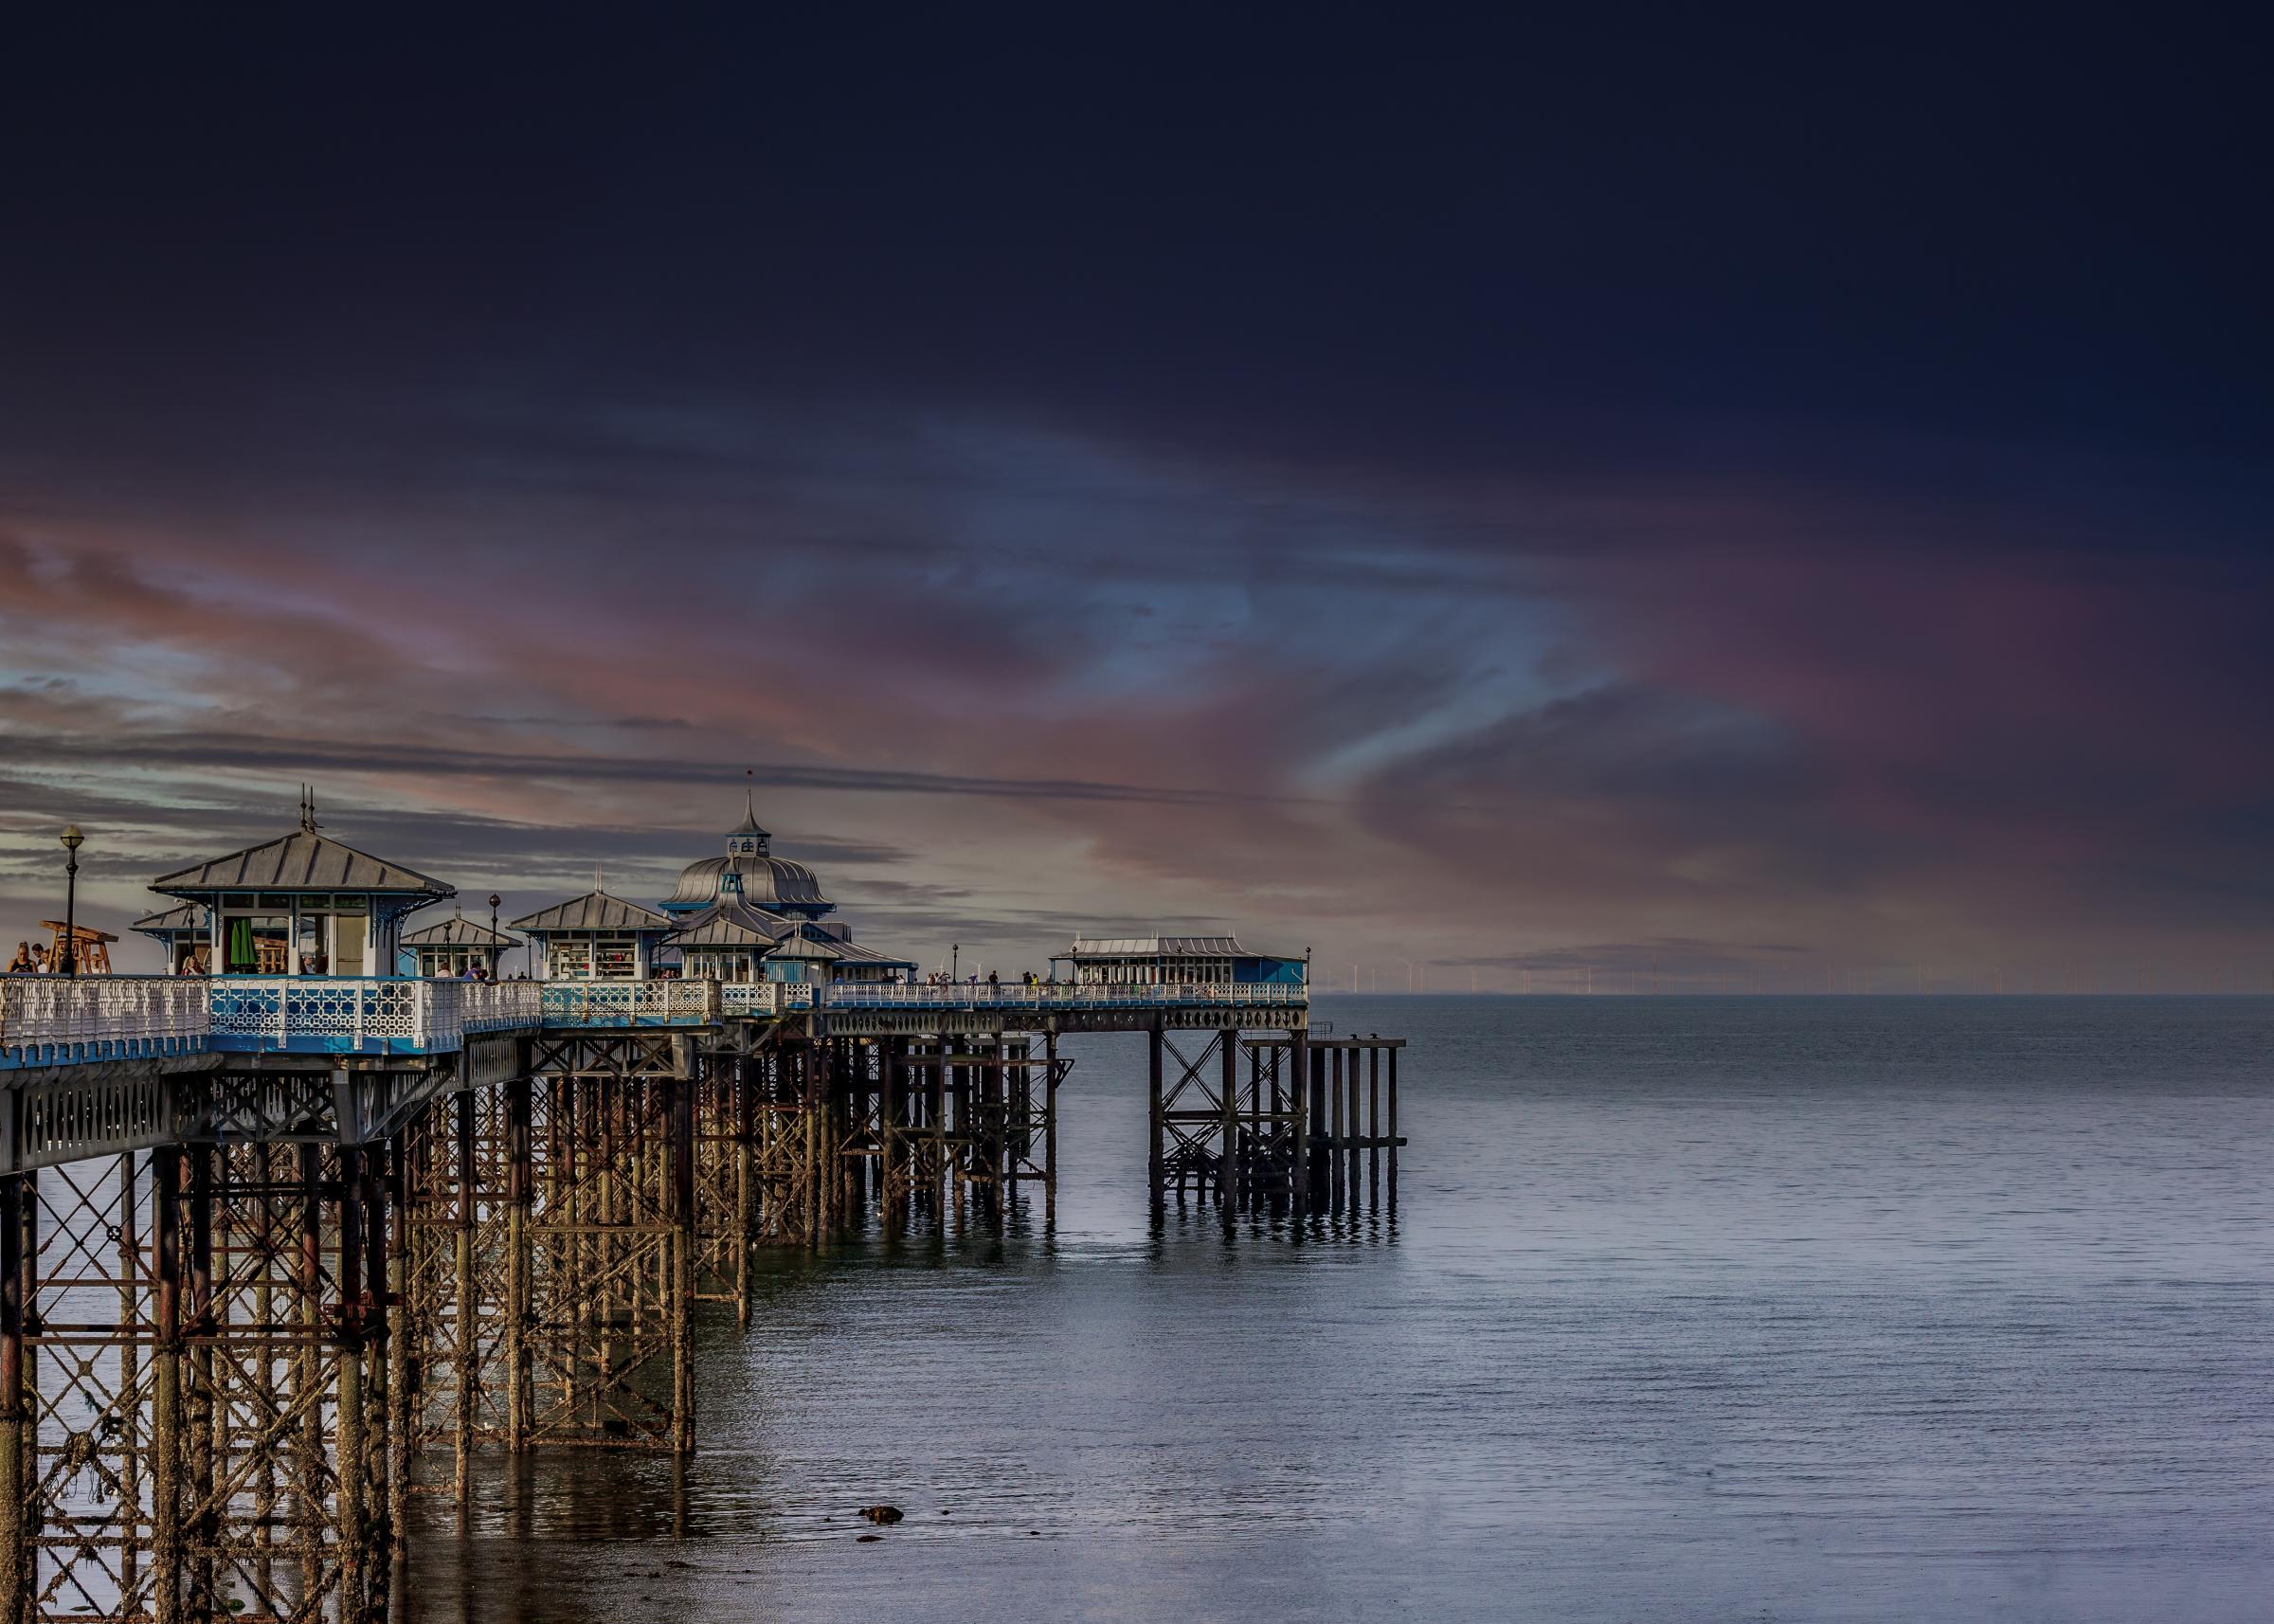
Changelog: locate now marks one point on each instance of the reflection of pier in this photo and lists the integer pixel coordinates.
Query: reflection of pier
(278, 1251)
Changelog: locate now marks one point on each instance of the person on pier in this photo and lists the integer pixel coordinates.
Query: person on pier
(21, 964)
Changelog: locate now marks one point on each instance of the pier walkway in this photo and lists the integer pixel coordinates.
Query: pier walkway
(51, 1021)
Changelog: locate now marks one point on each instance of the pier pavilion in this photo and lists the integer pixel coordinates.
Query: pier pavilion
(1173, 961)
(280, 1252)
(454, 946)
(730, 940)
(303, 904)
(596, 937)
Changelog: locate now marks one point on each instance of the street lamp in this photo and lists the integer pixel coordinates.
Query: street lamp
(955, 961)
(72, 841)
(495, 955)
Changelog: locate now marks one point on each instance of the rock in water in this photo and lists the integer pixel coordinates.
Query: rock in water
(881, 1513)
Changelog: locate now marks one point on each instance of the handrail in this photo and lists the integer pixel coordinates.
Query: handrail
(1062, 995)
(51, 1020)
(48, 1018)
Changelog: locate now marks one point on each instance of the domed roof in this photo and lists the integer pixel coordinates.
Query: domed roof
(767, 882)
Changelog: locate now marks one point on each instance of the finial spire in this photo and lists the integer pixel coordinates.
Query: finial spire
(308, 822)
(747, 839)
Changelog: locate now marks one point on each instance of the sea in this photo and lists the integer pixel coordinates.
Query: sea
(1690, 1309)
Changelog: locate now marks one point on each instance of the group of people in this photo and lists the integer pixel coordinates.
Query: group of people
(32, 960)
(1026, 978)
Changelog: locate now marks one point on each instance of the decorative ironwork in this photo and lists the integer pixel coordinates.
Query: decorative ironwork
(48, 1021)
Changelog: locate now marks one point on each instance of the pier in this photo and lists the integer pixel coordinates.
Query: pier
(281, 1249)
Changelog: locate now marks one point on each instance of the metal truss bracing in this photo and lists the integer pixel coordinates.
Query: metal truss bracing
(610, 1244)
(66, 1118)
(1290, 1129)
(198, 1382)
(957, 1121)
(250, 1304)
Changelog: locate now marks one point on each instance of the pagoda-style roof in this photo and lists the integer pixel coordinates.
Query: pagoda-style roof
(1156, 947)
(189, 916)
(731, 924)
(457, 933)
(303, 860)
(594, 911)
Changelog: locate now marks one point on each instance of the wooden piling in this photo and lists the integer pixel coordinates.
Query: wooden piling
(1227, 1187)
(1156, 1164)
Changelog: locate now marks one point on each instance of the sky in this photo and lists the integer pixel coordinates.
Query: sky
(1654, 501)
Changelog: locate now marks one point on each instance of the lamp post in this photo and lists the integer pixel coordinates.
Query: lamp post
(955, 962)
(495, 967)
(72, 839)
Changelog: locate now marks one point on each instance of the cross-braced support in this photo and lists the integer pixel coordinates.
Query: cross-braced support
(609, 1243)
(195, 1374)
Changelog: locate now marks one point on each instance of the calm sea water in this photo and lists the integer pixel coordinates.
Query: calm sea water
(1748, 1309)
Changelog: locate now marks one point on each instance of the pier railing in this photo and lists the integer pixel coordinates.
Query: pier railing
(629, 1004)
(55, 1020)
(49, 1021)
(356, 1015)
(1063, 995)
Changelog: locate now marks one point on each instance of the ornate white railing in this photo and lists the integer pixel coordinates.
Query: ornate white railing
(750, 998)
(499, 1006)
(864, 995)
(51, 1019)
(630, 1003)
(344, 1012)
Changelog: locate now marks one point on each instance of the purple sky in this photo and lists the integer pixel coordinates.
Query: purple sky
(1781, 513)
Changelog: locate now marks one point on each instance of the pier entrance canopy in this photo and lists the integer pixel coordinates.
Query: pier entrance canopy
(303, 904)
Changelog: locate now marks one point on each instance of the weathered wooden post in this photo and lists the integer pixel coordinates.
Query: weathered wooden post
(1298, 1069)
(199, 1411)
(468, 1351)
(682, 1088)
(1228, 1179)
(1050, 1125)
(1157, 1165)
(520, 1194)
(167, 1523)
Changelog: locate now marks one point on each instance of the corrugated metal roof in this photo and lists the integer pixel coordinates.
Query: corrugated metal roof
(301, 861)
(859, 953)
(810, 949)
(167, 921)
(1156, 946)
(594, 911)
(732, 925)
(458, 933)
